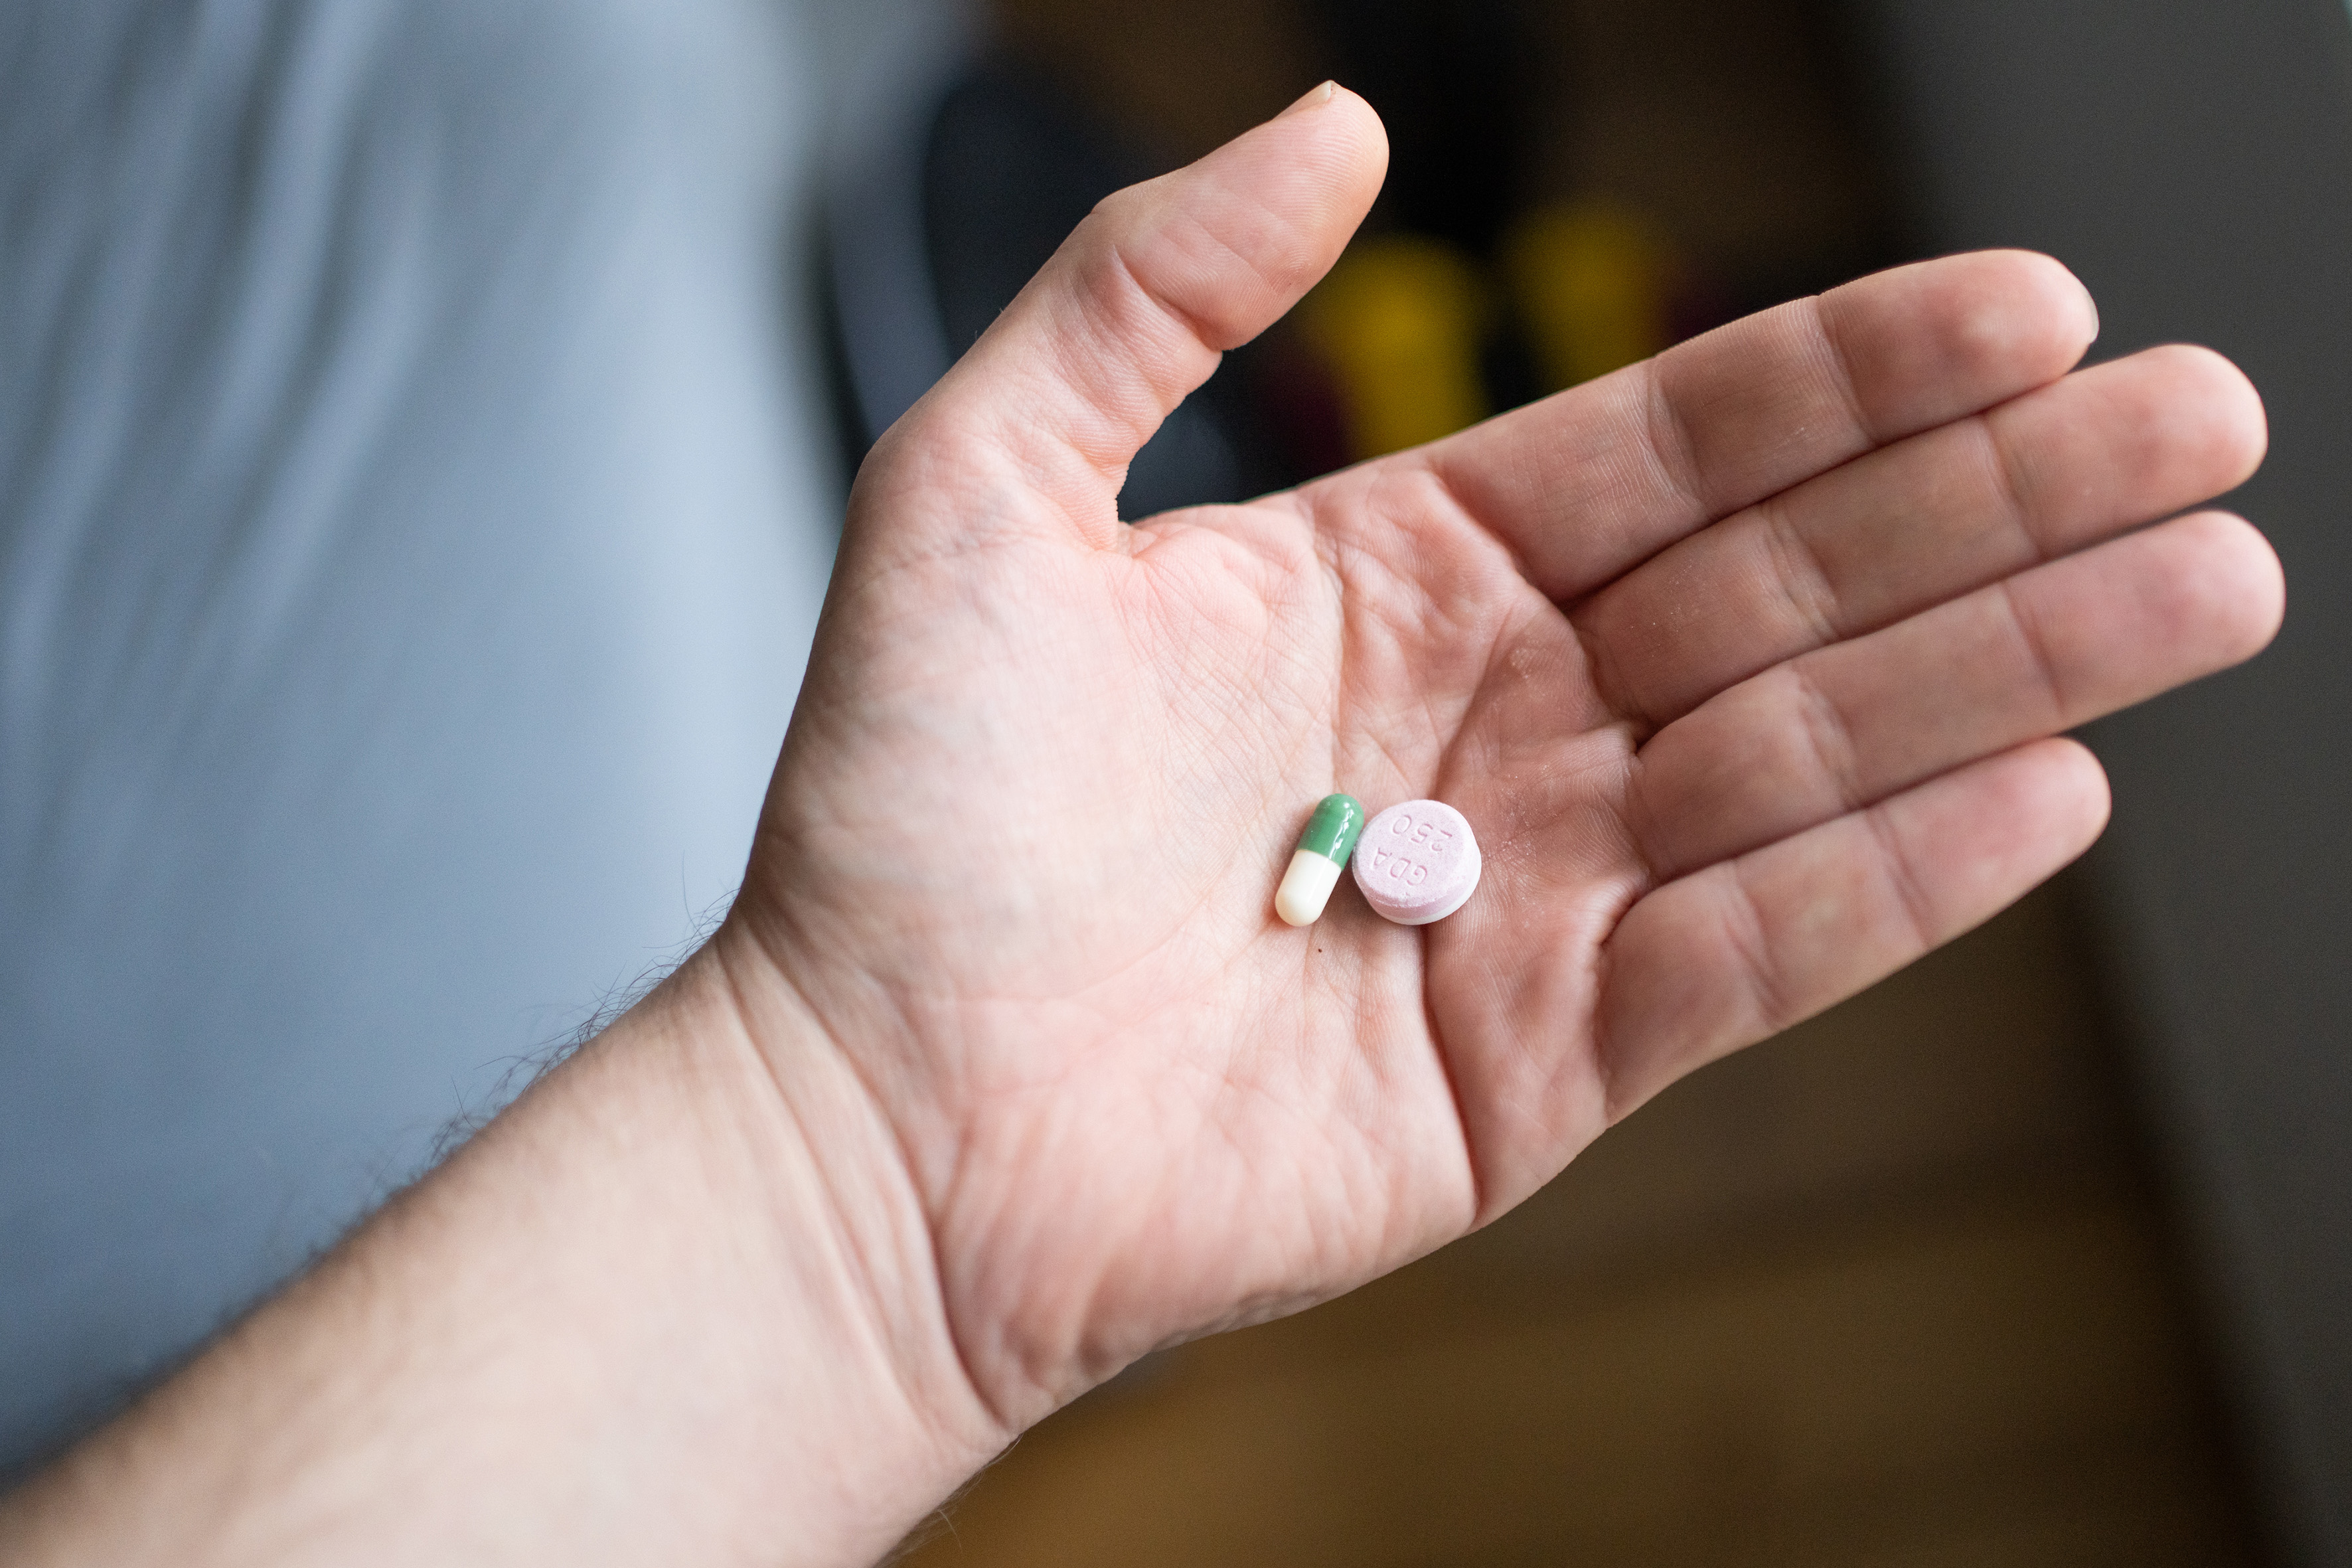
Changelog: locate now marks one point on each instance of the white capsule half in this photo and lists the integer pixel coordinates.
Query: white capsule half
(1305, 889)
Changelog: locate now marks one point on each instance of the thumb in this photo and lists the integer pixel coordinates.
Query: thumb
(1136, 307)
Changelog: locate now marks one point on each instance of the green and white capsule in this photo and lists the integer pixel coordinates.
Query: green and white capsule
(1323, 849)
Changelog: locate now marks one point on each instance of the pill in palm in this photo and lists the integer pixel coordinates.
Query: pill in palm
(1418, 862)
(1315, 864)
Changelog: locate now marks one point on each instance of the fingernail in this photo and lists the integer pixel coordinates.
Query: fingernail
(1314, 98)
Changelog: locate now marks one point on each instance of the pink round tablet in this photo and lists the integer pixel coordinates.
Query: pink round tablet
(1418, 862)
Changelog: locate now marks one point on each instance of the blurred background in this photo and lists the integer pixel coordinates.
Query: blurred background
(2037, 1253)
(422, 431)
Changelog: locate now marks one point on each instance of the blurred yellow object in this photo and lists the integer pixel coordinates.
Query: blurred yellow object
(1590, 282)
(1398, 321)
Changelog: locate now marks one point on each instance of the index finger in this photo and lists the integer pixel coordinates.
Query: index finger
(1588, 483)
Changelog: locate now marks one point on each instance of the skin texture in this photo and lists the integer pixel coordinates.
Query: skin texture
(1744, 662)
(1724, 775)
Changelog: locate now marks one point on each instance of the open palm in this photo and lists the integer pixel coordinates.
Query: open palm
(1741, 663)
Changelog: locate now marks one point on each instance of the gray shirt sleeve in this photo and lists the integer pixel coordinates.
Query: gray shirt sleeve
(414, 511)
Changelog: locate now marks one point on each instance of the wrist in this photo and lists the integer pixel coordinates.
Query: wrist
(880, 1416)
(676, 1303)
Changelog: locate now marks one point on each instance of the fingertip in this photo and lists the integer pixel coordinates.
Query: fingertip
(2074, 312)
(2026, 812)
(2050, 298)
(1939, 340)
(1328, 95)
(1314, 97)
(1360, 110)
(2168, 426)
(1233, 240)
(1372, 133)
(2024, 307)
(2240, 577)
(2231, 406)
(1131, 313)
(1334, 128)
(2079, 795)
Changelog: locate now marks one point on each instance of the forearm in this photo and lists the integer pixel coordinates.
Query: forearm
(672, 1306)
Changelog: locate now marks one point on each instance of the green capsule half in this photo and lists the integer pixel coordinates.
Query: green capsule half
(1323, 849)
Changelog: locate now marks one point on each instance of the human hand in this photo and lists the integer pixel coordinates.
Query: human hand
(1743, 664)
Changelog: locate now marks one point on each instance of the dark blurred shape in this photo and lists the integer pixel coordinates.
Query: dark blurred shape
(1451, 79)
(1597, 289)
(1400, 324)
(2191, 160)
(1008, 168)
